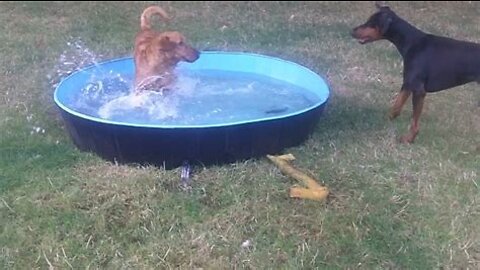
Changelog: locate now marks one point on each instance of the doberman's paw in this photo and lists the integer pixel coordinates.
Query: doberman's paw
(393, 115)
(407, 139)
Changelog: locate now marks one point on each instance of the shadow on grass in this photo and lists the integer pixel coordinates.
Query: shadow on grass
(347, 119)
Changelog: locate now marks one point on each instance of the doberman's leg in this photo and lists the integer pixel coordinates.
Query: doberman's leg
(398, 104)
(417, 101)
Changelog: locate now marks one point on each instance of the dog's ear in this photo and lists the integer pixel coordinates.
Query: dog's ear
(166, 44)
(386, 20)
(385, 16)
(381, 5)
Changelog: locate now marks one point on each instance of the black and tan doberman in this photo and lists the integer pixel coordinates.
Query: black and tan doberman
(430, 63)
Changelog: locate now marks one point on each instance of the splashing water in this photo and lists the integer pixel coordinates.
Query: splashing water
(75, 57)
(197, 97)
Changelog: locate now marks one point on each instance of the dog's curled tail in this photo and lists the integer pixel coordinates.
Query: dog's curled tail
(149, 12)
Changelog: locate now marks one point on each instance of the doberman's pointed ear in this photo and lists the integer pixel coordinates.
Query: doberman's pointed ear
(385, 23)
(381, 5)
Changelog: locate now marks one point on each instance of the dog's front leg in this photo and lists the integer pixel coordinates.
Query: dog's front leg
(417, 101)
(398, 104)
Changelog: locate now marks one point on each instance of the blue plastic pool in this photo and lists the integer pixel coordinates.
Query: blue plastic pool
(203, 127)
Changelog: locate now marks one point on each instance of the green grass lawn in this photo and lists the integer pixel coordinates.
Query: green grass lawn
(393, 206)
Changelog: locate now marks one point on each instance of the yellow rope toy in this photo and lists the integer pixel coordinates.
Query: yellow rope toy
(314, 191)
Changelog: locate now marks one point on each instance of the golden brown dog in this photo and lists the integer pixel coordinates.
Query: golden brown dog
(157, 53)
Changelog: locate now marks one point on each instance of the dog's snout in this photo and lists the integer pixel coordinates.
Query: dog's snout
(193, 55)
(196, 54)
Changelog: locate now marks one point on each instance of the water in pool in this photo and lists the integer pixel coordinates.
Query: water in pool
(197, 98)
